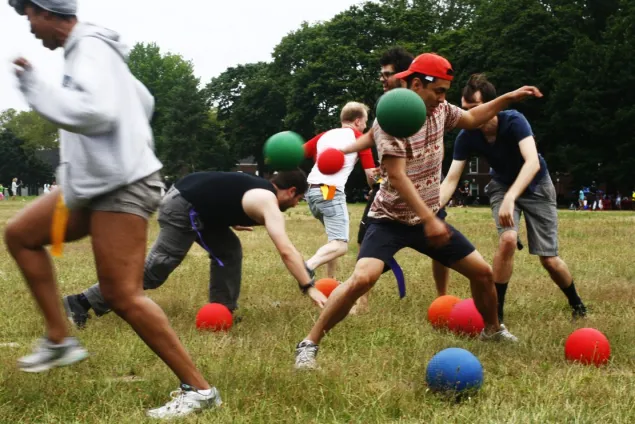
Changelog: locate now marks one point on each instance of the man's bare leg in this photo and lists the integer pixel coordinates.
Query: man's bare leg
(441, 275)
(481, 277)
(367, 272)
(558, 270)
(331, 250)
(560, 274)
(331, 268)
(504, 256)
(119, 245)
(504, 266)
(26, 234)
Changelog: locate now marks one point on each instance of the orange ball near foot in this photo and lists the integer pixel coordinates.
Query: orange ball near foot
(326, 285)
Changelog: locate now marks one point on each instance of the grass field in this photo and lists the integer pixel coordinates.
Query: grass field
(373, 366)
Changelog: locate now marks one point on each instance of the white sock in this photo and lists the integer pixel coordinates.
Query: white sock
(205, 392)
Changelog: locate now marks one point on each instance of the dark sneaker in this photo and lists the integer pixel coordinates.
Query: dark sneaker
(75, 312)
(309, 270)
(578, 311)
(47, 355)
(305, 354)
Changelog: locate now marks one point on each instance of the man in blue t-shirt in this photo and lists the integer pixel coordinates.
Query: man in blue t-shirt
(520, 184)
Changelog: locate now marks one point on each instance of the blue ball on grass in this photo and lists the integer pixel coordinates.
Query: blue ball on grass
(454, 371)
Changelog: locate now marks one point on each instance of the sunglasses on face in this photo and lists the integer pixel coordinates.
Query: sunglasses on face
(386, 74)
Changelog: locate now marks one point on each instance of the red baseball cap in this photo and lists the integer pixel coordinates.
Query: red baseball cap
(429, 64)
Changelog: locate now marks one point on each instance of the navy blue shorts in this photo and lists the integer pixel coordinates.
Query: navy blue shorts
(365, 219)
(384, 238)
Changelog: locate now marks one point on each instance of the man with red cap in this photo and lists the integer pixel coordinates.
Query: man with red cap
(404, 211)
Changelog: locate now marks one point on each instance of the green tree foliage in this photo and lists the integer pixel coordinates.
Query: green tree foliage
(20, 162)
(250, 101)
(187, 136)
(36, 132)
(591, 115)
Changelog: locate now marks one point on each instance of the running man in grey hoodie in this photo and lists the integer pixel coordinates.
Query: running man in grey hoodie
(110, 182)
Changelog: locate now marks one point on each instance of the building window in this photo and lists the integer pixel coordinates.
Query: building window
(474, 189)
(473, 169)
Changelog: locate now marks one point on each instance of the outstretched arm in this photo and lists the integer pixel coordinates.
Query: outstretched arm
(364, 142)
(263, 206)
(479, 115)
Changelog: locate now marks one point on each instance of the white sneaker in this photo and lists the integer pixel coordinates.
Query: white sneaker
(47, 355)
(185, 401)
(502, 335)
(305, 354)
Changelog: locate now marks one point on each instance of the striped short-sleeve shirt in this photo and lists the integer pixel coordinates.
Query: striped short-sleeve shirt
(424, 156)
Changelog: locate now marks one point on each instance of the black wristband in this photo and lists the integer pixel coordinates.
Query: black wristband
(306, 288)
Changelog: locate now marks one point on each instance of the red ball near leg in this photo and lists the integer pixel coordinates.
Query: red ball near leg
(465, 319)
(587, 346)
(214, 317)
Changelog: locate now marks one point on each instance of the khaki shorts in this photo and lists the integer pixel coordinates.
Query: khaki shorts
(140, 198)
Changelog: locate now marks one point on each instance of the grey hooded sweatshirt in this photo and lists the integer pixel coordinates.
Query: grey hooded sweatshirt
(103, 113)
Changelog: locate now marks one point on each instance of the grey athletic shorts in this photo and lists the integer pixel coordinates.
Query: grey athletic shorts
(541, 215)
(140, 198)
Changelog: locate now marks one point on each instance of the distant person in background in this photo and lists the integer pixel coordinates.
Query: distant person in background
(1, 192)
(47, 189)
(591, 196)
(464, 193)
(14, 188)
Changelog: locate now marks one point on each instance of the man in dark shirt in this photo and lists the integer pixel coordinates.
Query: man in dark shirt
(204, 207)
(520, 184)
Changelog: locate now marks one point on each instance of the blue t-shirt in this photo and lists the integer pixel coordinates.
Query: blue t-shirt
(503, 154)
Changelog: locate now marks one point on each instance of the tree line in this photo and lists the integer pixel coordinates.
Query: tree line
(578, 52)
